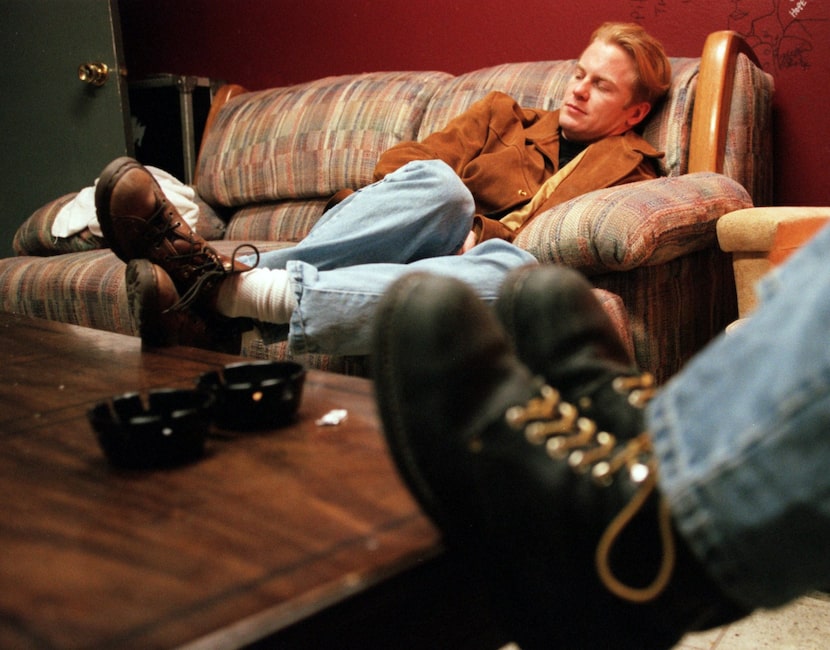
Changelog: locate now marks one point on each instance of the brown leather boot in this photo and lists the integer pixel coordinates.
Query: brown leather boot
(156, 308)
(139, 221)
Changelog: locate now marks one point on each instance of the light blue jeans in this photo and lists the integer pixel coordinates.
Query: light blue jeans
(743, 439)
(414, 219)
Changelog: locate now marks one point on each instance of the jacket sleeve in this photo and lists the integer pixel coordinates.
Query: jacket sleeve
(456, 144)
(485, 229)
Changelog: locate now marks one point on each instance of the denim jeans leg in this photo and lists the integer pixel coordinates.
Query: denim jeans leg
(336, 308)
(743, 439)
(420, 210)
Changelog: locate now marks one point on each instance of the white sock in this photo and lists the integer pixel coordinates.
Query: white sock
(263, 294)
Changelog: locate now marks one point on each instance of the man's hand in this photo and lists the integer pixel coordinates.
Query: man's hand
(468, 243)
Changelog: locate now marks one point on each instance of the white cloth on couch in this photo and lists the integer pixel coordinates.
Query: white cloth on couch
(79, 213)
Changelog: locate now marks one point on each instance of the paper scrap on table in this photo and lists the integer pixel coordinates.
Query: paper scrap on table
(332, 418)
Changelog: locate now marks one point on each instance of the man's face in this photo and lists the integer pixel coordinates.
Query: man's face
(598, 97)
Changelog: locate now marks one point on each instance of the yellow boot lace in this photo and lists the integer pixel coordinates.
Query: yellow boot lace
(549, 421)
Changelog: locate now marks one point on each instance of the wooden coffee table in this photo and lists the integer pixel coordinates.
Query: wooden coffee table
(267, 530)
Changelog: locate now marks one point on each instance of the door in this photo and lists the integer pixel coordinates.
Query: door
(58, 131)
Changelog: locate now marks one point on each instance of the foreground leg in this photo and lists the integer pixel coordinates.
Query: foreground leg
(564, 518)
(742, 435)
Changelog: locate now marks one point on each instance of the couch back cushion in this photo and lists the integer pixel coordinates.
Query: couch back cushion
(541, 84)
(668, 128)
(312, 139)
(535, 84)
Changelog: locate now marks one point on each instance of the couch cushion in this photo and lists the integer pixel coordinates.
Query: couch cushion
(639, 224)
(312, 139)
(284, 221)
(669, 127)
(85, 288)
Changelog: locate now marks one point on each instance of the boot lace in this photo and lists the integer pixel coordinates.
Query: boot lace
(210, 272)
(548, 420)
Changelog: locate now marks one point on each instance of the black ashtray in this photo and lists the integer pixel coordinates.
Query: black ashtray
(166, 429)
(254, 395)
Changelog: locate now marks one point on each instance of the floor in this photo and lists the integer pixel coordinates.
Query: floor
(802, 625)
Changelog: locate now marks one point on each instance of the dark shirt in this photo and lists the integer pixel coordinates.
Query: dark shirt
(568, 150)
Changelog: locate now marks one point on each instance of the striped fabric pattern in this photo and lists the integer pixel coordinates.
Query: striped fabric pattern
(310, 140)
(284, 221)
(85, 288)
(34, 236)
(347, 365)
(668, 128)
(639, 224)
(749, 138)
(675, 308)
(615, 308)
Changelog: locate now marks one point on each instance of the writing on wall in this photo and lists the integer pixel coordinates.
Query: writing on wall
(781, 32)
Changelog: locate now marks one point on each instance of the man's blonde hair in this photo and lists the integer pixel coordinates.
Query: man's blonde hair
(650, 61)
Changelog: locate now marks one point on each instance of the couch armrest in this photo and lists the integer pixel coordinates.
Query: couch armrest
(713, 99)
(760, 238)
(639, 224)
(34, 236)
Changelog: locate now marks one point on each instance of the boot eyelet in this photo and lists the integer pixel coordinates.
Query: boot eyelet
(557, 448)
(535, 433)
(639, 472)
(601, 474)
(575, 460)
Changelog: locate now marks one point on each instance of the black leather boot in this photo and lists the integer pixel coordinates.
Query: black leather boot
(564, 519)
(561, 331)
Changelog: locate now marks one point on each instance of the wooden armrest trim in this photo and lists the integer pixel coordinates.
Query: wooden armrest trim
(713, 99)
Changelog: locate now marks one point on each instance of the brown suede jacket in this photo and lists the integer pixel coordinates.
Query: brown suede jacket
(504, 153)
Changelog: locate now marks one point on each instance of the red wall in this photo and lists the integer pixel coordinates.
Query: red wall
(264, 43)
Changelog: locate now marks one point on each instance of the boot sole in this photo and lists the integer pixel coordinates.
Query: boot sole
(142, 298)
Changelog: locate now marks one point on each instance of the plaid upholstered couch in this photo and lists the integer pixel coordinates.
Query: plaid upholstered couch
(271, 159)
